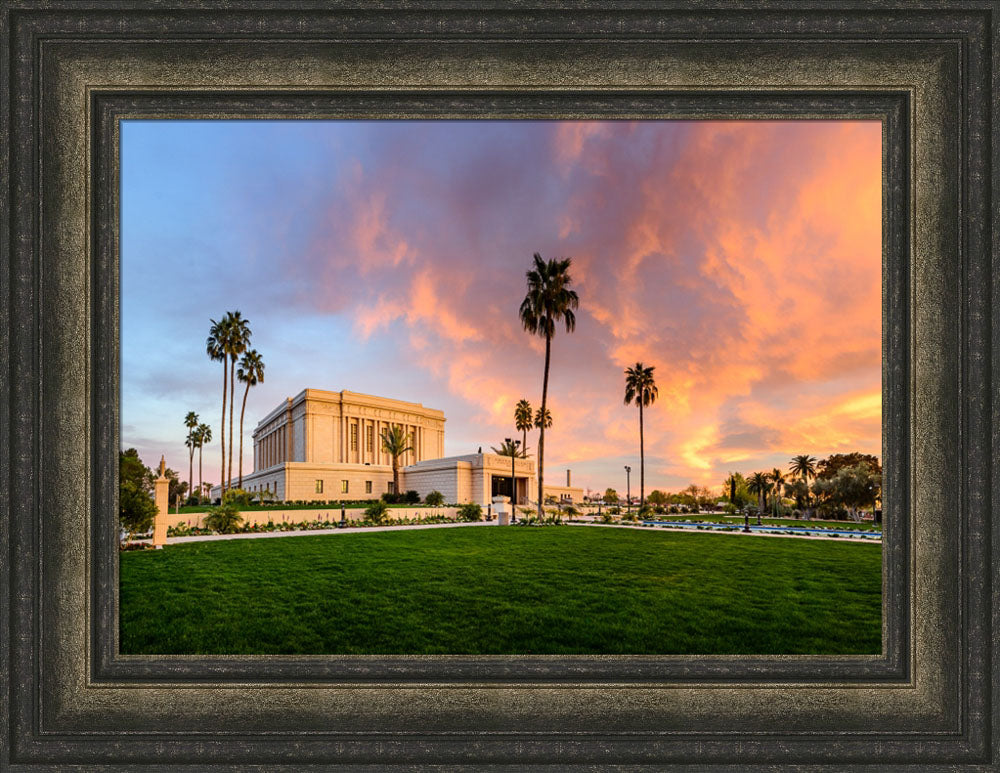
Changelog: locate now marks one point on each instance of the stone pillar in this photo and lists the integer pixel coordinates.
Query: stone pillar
(160, 487)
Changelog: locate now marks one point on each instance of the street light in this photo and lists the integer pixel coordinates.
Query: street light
(871, 488)
(628, 489)
(513, 484)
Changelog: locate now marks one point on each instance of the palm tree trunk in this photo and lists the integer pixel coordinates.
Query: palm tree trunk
(201, 486)
(232, 392)
(242, 411)
(222, 437)
(541, 429)
(395, 475)
(642, 461)
(191, 471)
(524, 443)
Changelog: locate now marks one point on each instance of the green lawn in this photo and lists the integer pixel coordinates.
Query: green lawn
(492, 590)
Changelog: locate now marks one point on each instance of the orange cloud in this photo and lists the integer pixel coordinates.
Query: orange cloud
(741, 259)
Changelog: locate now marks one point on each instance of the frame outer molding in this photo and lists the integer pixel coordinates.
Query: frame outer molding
(61, 59)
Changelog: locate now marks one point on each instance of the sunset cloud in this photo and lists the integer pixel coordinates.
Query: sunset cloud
(742, 259)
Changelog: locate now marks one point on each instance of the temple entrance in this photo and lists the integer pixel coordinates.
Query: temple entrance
(502, 486)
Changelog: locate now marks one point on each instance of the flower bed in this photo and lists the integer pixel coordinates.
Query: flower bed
(184, 530)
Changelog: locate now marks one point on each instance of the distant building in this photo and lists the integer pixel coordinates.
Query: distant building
(327, 446)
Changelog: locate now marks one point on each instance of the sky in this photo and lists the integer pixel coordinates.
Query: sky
(741, 259)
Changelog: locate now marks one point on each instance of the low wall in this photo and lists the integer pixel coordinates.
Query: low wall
(331, 514)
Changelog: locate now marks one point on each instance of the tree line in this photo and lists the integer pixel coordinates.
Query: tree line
(838, 486)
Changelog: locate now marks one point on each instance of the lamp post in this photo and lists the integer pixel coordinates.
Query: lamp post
(513, 481)
(628, 489)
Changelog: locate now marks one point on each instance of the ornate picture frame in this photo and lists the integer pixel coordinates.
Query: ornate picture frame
(73, 71)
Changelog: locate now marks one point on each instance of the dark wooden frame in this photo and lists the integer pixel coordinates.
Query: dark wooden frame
(70, 71)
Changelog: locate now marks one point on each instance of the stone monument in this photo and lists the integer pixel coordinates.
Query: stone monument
(160, 488)
(503, 508)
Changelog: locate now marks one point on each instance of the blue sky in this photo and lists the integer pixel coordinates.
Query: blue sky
(389, 258)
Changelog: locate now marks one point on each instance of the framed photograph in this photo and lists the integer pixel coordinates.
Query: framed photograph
(601, 388)
(374, 251)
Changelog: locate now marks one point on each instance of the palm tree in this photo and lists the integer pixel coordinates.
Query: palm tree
(523, 421)
(236, 344)
(804, 466)
(191, 422)
(191, 441)
(759, 484)
(778, 479)
(507, 448)
(548, 301)
(204, 436)
(640, 388)
(251, 373)
(538, 419)
(395, 442)
(218, 336)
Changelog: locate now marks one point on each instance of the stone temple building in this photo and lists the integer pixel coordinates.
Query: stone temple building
(327, 446)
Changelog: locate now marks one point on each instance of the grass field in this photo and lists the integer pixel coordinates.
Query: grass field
(490, 590)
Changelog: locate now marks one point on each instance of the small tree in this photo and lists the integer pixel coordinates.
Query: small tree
(657, 497)
(610, 497)
(435, 498)
(395, 442)
(136, 509)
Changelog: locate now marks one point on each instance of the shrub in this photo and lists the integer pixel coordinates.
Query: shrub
(674, 509)
(411, 497)
(614, 510)
(377, 511)
(730, 508)
(607, 518)
(224, 519)
(136, 509)
(470, 512)
(392, 498)
(237, 496)
(435, 498)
